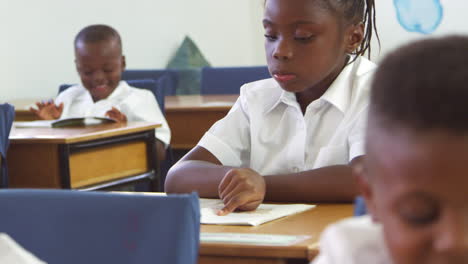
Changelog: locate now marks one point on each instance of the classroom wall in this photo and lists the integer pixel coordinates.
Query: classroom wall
(37, 36)
(393, 34)
(36, 52)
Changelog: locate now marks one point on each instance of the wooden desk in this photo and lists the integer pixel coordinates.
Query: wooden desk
(188, 116)
(93, 157)
(310, 223)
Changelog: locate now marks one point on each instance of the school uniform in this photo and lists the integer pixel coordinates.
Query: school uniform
(266, 130)
(354, 241)
(137, 104)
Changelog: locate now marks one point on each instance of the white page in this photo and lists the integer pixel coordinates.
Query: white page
(12, 253)
(264, 213)
(37, 123)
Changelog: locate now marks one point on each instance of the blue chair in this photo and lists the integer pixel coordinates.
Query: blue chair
(73, 227)
(7, 115)
(165, 78)
(228, 80)
(359, 206)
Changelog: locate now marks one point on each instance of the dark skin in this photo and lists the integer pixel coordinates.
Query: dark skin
(414, 183)
(310, 45)
(100, 66)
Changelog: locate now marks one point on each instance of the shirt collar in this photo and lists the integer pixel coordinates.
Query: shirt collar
(118, 91)
(338, 94)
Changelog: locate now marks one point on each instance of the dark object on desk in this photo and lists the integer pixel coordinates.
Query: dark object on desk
(94, 227)
(7, 115)
(228, 80)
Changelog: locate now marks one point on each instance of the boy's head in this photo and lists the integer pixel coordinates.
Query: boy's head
(415, 174)
(308, 41)
(99, 60)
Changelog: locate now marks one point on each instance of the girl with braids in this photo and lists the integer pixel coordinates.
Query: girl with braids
(295, 136)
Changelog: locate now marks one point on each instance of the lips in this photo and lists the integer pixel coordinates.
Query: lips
(283, 77)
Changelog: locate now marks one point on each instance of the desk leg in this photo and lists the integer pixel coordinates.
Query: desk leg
(64, 159)
(153, 162)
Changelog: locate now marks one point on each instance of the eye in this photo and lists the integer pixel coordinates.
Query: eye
(419, 213)
(305, 38)
(270, 37)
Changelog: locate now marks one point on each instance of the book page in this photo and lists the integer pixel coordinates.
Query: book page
(264, 213)
(12, 253)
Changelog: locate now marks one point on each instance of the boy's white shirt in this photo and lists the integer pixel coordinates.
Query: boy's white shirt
(136, 104)
(12, 253)
(266, 130)
(355, 240)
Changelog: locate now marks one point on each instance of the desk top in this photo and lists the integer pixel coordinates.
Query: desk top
(76, 134)
(310, 223)
(179, 103)
(172, 103)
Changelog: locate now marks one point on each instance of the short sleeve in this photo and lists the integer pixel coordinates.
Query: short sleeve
(229, 138)
(141, 105)
(356, 138)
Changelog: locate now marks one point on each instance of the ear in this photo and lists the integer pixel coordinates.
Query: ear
(354, 37)
(360, 172)
(124, 63)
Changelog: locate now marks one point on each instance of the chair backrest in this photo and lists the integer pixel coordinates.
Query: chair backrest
(166, 78)
(64, 226)
(359, 206)
(156, 87)
(228, 80)
(7, 115)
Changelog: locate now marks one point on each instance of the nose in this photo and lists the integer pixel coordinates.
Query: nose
(283, 50)
(98, 76)
(453, 236)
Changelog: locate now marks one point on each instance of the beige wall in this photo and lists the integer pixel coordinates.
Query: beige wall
(36, 36)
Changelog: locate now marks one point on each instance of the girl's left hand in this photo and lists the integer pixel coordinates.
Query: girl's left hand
(115, 114)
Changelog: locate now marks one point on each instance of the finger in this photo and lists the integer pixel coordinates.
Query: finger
(233, 184)
(225, 181)
(33, 110)
(235, 190)
(250, 206)
(60, 107)
(232, 204)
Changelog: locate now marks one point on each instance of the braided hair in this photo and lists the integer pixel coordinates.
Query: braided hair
(356, 11)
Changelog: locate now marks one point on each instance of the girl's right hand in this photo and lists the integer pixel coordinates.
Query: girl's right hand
(47, 110)
(241, 189)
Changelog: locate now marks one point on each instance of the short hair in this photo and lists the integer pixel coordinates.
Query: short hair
(97, 33)
(423, 86)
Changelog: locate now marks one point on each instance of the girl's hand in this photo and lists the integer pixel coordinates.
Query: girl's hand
(115, 114)
(241, 189)
(47, 110)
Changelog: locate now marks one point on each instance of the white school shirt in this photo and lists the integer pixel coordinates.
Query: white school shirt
(356, 240)
(266, 130)
(137, 104)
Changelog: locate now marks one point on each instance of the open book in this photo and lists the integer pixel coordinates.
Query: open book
(66, 122)
(264, 213)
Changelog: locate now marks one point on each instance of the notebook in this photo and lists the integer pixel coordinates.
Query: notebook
(66, 122)
(11, 252)
(264, 213)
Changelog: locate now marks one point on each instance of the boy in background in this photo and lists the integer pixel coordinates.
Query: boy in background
(100, 63)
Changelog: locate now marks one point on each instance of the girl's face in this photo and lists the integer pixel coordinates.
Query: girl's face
(418, 189)
(306, 44)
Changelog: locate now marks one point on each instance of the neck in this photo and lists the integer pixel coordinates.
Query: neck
(304, 98)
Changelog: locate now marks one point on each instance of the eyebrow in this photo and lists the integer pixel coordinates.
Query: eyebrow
(299, 22)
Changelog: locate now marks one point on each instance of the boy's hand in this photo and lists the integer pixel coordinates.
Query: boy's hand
(242, 189)
(115, 114)
(47, 110)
